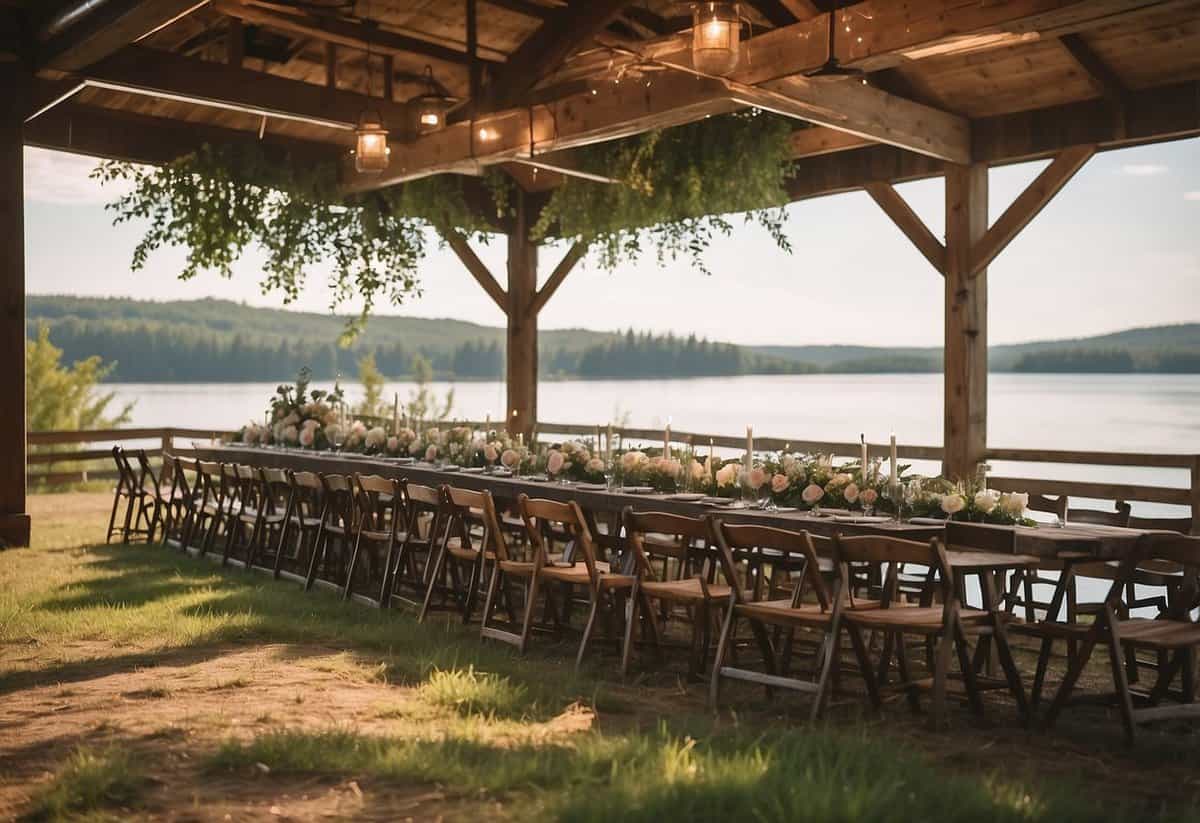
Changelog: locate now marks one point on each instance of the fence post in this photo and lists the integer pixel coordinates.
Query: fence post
(168, 446)
(1196, 494)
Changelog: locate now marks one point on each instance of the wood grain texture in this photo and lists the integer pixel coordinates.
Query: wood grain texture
(909, 222)
(521, 375)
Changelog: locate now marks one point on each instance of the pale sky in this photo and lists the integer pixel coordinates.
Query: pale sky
(1119, 247)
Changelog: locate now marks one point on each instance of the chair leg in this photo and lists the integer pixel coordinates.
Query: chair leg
(1011, 673)
(434, 581)
(1120, 684)
(829, 663)
(910, 687)
(112, 518)
(970, 680)
(635, 603)
(530, 602)
(319, 548)
(728, 624)
(1074, 669)
(489, 601)
(864, 665)
(589, 628)
(354, 555)
(941, 671)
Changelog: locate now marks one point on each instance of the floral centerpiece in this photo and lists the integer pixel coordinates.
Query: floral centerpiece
(938, 497)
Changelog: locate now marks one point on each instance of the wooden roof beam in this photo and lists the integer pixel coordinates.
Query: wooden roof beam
(162, 74)
(546, 49)
(110, 28)
(817, 140)
(344, 33)
(1027, 205)
(774, 12)
(112, 135)
(525, 7)
(909, 222)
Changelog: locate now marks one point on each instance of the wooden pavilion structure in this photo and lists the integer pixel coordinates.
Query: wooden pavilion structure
(947, 88)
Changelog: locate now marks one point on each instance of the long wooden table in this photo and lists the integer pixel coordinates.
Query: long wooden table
(1043, 542)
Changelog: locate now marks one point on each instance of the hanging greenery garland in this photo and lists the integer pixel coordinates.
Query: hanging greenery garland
(675, 188)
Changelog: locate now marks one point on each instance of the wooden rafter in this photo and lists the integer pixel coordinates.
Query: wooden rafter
(802, 9)
(343, 32)
(114, 135)
(167, 75)
(546, 49)
(1027, 205)
(458, 242)
(109, 29)
(773, 11)
(1102, 78)
(564, 267)
(909, 222)
(817, 140)
(524, 7)
(865, 111)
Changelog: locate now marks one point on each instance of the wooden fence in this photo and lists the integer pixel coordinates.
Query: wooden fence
(96, 462)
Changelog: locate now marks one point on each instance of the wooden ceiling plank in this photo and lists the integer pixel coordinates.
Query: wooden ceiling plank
(1102, 77)
(344, 33)
(109, 29)
(565, 266)
(457, 241)
(909, 222)
(1027, 205)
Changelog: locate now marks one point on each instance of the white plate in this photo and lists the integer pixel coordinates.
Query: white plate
(716, 501)
(637, 490)
(403, 461)
(783, 509)
(850, 518)
(685, 497)
(473, 470)
(928, 521)
(501, 473)
(591, 487)
(535, 478)
(450, 467)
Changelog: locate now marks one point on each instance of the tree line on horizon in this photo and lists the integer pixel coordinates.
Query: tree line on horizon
(156, 352)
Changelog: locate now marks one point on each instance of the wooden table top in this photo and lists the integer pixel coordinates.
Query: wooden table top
(1042, 542)
(970, 560)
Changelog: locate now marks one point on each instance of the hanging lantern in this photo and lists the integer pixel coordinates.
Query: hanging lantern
(371, 154)
(430, 108)
(716, 37)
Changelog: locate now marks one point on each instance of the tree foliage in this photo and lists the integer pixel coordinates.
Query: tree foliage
(61, 398)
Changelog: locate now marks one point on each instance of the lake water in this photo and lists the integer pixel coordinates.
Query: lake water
(1133, 413)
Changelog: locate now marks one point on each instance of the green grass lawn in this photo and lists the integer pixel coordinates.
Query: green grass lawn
(138, 681)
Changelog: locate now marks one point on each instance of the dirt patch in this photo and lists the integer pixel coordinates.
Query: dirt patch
(174, 710)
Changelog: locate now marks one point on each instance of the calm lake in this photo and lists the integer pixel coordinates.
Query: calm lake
(1134, 413)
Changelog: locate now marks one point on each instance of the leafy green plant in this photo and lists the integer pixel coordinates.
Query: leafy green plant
(58, 397)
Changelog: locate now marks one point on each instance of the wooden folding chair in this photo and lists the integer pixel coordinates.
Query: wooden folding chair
(946, 623)
(301, 529)
(457, 565)
(123, 491)
(1021, 593)
(1174, 634)
(786, 614)
(381, 517)
(695, 594)
(244, 520)
(181, 500)
(209, 507)
(409, 572)
(151, 502)
(274, 509)
(579, 568)
(328, 564)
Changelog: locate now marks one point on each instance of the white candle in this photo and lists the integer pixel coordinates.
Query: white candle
(396, 413)
(608, 440)
(667, 439)
(712, 462)
(863, 438)
(893, 479)
(749, 448)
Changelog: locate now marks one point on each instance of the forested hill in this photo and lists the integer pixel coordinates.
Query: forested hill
(215, 340)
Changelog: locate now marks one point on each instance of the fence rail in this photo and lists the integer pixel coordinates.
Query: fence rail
(1174, 495)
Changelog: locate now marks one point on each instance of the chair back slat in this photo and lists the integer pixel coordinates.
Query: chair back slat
(1183, 525)
(146, 472)
(467, 505)
(730, 538)
(1119, 516)
(1049, 505)
(567, 516)
(691, 528)
(426, 495)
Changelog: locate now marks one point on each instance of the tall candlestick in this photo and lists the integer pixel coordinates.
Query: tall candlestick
(712, 461)
(608, 443)
(667, 439)
(596, 450)
(893, 480)
(863, 438)
(749, 448)
(396, 413)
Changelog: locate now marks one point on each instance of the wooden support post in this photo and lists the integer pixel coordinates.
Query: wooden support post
(1196, 495)
(14, 522)
(966, 365)
(522, 373)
